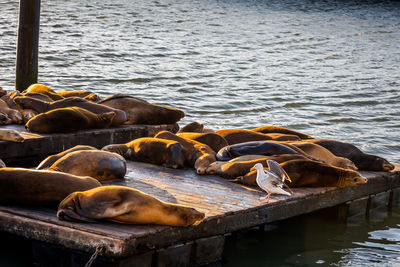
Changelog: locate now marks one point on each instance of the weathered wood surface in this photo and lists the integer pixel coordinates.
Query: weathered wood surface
(228, 207)
(42, 145)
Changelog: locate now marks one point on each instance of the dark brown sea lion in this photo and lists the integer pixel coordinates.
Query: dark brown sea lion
(80, 93)
(123, 204)
(253, 148)
(11, 135)
(193, 127)
(42, 89)
(2, 164)
(363, 161)
(13, 114)
(233, 169)
(140, 111)
(39, 187)
(99, 164)
(47, 162)
(27, 114)
(4, 119)
(197, 155)
(69, 120)
(157, 151)
(277, 129)
(310, 173)
(321, 153)
(42, 106)
(213, 140)
(235, 136)
(39, 96)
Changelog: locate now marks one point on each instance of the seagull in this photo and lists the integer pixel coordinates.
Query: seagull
(271, 180)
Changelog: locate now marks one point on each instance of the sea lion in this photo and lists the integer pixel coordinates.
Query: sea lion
(28, 114)
(321, 153)
(363, 161)
(233, 169)
(254, 147)
(38, 96)
(157, 151)
(40, 187)
(235, 136)
(42, 89)
(193, 127)
(13, 114)
(41, 106)
(277, 129)
(11, 135)
(123, 204)
(80, 93)
(99, 164)
(69, 120)
(2, 91)
(47, 162)
(310, 173)
(197, 155)
(4, 119)
(2, 164)
(213, 140)
(140, 111)
(10, 102)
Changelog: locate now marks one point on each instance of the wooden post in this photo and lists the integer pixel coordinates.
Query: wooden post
(26, 72)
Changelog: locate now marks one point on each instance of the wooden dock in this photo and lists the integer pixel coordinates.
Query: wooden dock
(228, 207)
(38, 146)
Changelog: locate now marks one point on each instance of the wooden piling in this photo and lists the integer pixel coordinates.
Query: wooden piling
(26, 72)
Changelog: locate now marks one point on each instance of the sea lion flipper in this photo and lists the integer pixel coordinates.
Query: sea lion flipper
(276, 168)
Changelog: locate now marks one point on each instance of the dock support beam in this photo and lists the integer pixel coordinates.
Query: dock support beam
(26, 72)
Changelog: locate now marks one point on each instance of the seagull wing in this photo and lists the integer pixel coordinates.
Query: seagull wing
(278, 170)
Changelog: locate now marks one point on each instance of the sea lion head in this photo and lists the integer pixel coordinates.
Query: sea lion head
(28, 114)
(15, 116)
(202, 163)
(344, 163)
(120, 149)
(214, 167)
(375, 163)
(27, 102)
(351, 178)
(11, 135)
(177, 158)
(69, 209)
(185, 216)
(107, 118)
(4, 119)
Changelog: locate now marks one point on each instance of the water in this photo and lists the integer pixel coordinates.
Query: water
(327, 68)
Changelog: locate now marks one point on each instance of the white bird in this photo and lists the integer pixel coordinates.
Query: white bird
(271, 180)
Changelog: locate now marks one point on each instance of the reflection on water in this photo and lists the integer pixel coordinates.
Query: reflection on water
(328, 68)
(319, 240)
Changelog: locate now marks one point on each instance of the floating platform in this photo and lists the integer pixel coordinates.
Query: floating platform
(38, 146)
(229, 207)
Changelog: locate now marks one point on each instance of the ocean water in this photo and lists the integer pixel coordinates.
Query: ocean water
(326, 68)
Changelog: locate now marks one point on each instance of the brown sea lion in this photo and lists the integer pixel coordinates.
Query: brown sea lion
(213, 140)
(193, 127)
(69, 120)
(140, 111)
(2, 164)
(231, 170)
(363, 161)
(41, 106)
(10, 102)
(266, 148)
(99, 164)
(277, 129)
(47, 162)
(11, 135)
(2, 91)
(39, 187)
(123, 204)
(197, 155)
(42, 89)
(13, 114)
(38, 96)
(310, 173)
(4, 119)
(28, 114)
(321, 153)
(157, 151)
(235, 136)
(80, 93)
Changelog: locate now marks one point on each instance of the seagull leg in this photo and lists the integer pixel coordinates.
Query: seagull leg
(265, 199)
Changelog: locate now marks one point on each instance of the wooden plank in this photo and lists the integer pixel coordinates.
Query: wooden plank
(228, 207)
(41, 145)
